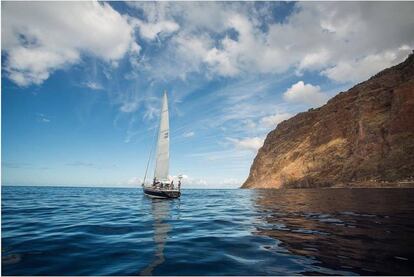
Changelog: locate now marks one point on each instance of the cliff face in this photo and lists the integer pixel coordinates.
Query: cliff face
(362, 136)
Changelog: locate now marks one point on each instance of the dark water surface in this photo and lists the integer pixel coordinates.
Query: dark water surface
(105, 231)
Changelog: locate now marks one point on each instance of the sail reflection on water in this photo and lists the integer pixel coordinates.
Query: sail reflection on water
(160, 212)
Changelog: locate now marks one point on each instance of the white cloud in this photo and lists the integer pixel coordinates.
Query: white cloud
(248, 124)
(251, 144)
(230, 183)
(305, 93)
(250, 52)
(221, 61)
(272, 121)
(129, 107)
(185, 53)
(41, 37)
(151, 30)
(328, 37)
(192, 15)
(192, 182)
(135, 181)
(131, 98)
(361, 69)
(315, 60)
(93, 85)
(188, 134)
(212, 38)
(42, 118)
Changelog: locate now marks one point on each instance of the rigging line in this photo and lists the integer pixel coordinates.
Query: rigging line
(149, 157)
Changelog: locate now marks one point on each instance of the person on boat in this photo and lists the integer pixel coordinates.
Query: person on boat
(156, 182)
(172, 184)
(179, 184)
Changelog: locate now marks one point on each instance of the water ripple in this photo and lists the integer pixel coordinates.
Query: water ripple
(102, 231)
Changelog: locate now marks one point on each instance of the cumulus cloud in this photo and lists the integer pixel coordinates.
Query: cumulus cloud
(194, 16)
(346, 41)
(231, 39)
(356, 70)
(221, 62)
(305, 93)
(134, 181)
(251, 144)
(191, 182)
(153, 29)
(314, 60)
(230, 183)
(272, 121)
(41, 37)
(185, 53)
(188, 181)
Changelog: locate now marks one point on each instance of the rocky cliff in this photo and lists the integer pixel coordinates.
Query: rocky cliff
(361, 137)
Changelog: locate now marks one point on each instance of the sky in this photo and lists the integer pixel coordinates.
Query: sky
(81, 82)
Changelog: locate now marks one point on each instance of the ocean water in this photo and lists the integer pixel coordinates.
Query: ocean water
(118, 231)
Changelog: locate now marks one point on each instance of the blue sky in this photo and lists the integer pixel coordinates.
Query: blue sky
(82, 81)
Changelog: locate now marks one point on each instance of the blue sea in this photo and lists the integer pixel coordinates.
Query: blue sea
(119, 231)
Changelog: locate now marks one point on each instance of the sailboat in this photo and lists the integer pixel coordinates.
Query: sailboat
(161, 186)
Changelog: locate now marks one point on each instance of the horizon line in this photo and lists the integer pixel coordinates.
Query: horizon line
(100, 186)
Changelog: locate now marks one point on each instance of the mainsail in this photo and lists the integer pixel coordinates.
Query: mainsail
(163, 144)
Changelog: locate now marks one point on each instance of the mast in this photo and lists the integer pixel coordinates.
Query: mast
(163, 143)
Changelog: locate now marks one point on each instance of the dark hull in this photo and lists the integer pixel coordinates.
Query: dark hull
(155, 193)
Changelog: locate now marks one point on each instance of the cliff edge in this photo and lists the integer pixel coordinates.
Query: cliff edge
(361, 137)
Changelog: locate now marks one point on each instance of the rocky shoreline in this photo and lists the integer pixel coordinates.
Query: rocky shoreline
(351, 185)
(355, 185)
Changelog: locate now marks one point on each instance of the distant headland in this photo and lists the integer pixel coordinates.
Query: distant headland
(363, 137)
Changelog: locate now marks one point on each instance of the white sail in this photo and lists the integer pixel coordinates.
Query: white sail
(163, 144)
